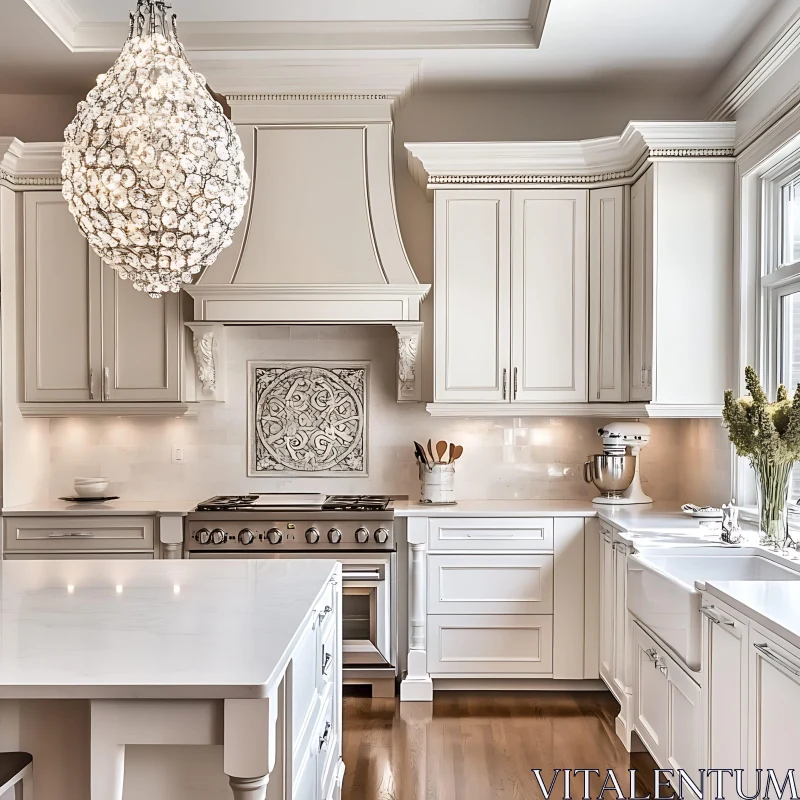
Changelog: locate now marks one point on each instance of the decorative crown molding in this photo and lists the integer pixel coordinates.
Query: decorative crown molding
(780, 48)
(316, 35)
(30, 164)
(611, 158)
(311, 79)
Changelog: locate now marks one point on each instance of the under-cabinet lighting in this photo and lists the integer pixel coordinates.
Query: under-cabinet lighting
(119, 588)
(70, 589)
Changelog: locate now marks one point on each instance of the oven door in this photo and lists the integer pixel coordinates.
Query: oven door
(367, 622)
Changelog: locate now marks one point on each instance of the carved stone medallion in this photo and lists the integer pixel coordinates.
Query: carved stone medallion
(307, 419)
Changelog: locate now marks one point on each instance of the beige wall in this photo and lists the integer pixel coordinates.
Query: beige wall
(36, 117)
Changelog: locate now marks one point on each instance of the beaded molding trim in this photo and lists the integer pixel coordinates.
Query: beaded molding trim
(244, 98)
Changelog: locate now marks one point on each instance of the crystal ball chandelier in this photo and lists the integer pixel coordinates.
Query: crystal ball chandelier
(153, 169)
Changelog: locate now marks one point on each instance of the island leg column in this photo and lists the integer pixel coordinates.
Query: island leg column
(417, 685)
(250, 745)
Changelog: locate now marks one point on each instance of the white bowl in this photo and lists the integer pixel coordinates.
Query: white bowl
(95, 487)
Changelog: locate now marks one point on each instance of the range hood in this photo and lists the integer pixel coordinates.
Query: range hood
(320, 241)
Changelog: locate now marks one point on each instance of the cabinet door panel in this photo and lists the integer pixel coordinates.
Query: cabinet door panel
(651, 697)
(490, 584)
(61, 341)
(472, 302)
(490, 644)
(140, 342)
(774, 707)
(623, 627)
(726, 672)
(549, 276)
(608, 308)
(641, 332)
(607, 608)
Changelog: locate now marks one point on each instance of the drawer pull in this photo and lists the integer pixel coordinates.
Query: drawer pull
(491, 537)
(75, 535)
(776, 659)
(715, 618)
(326, 664)
(324, 613)
(325, 739)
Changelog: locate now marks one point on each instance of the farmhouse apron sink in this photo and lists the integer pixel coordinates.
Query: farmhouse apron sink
(664, 588)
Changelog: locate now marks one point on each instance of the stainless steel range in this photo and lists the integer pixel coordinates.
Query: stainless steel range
(357, 530)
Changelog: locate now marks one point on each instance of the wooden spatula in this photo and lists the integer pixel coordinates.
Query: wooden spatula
(452, 450)
(441, 449)
(430, 451)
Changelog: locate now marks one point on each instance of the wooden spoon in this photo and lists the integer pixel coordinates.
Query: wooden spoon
(430, 451)
(456, 453)
(441, 449)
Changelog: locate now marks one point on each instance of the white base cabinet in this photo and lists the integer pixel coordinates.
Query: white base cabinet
(774, 699)
(501, 599)
(667, 710)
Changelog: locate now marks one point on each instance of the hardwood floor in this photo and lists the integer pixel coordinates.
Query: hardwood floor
(479, 745)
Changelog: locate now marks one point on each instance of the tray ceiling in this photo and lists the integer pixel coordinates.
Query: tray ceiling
(613, 45)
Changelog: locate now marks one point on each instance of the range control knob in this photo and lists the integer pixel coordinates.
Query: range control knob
(246, 536)
(362, 535)
(204, 536)
(312, 535)
(381, 536)
(334, 536)
(218, 536)
(274, 536)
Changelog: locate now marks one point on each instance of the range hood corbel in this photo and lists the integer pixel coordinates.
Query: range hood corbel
(320, 243)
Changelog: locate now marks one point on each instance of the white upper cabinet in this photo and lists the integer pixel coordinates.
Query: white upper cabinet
(608, 295)
(61, 332)
(472, 278)
(141, 343)
(549, 295)
(641, 361)
(682, 285)
(511, 286)
(89, 337)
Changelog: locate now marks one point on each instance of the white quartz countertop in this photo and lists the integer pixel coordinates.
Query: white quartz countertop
(634, 520)
(773, 604)
(122, 507)
(153, 629)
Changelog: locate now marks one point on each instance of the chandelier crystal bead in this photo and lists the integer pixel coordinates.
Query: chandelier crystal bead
(153, 170)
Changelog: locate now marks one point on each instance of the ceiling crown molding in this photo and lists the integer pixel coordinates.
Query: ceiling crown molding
(589, 161)
(383, 78)
(255, 35)
(779, 49)
(31, 164)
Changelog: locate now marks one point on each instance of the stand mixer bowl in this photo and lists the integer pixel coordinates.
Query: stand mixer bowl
(612, 475)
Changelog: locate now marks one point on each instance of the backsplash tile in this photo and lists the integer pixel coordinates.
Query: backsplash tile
(504, 458)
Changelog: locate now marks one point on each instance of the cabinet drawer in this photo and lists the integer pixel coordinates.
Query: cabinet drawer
(511, 533)
(491, 645)
(79, 533)
(482, 584)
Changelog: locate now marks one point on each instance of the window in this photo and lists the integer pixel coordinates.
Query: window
(780, 282)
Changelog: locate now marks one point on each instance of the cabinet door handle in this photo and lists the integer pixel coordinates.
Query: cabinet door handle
(324, 613)
(91, 384)
(651, 653)
(105, 384)
(326, 736)
(776, 659)
(505, 383)
(706, 611)
(326, 664)
(515, 383)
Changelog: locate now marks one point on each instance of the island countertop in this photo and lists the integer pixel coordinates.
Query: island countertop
(153, 629)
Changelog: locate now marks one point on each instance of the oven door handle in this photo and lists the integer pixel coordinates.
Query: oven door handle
(363, 575)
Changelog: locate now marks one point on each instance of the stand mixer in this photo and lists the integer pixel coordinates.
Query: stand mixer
(615, 472)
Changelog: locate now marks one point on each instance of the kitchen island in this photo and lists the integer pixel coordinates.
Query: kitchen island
(166, 653)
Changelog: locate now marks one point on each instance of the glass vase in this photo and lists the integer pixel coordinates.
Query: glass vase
(772, 483)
